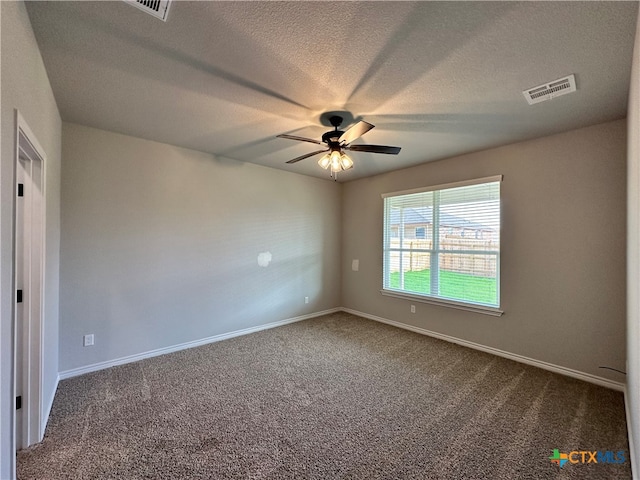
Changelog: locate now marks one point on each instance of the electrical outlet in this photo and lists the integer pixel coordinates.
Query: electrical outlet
(413, 309)
(306, 299)
(87, 340)
(355, 265)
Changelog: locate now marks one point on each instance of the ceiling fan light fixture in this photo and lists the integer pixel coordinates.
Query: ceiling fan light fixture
(325, 161)
(335, 158)
(345, 162)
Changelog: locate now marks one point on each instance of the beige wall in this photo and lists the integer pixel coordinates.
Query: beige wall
(25, 86)
(633, 261)
(563, 249)
(160, 245)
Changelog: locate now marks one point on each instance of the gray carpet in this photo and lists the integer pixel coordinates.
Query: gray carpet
(333, 397)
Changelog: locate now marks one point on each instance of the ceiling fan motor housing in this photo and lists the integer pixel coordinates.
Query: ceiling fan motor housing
(332, 137)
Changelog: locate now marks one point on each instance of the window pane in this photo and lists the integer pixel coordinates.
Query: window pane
(471, 278)
(415, 275)
(407, 214)
(470, 218)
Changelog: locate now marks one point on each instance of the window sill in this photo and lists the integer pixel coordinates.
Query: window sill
(470, 307)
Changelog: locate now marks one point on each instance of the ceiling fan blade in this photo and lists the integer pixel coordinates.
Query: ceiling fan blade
(374, 149)
(307, 156)
(300, 139)
(355, 131)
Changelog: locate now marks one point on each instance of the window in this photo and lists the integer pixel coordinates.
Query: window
(460, 269)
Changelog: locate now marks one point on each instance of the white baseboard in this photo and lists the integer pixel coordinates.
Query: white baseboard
(604, 382)
(47, 409)
(587, 377)
(74, 372)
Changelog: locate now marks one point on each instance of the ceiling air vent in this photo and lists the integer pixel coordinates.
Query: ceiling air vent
(157, 8)
(550, 90)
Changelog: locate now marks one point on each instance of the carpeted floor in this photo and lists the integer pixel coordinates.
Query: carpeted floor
(333, 397)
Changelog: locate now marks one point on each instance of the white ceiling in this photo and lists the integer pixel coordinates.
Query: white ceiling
(436, 78)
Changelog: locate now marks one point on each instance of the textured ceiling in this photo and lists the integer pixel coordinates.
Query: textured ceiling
(436, 78)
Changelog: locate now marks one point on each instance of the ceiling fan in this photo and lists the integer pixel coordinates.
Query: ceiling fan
(337, 141)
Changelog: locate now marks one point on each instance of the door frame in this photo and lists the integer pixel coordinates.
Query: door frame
(32, 344)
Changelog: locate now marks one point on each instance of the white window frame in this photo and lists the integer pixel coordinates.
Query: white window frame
(424, 298)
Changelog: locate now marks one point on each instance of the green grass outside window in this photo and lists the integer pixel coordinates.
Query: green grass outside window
(453, 285)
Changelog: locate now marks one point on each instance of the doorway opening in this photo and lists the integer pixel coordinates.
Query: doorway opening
(29, 217)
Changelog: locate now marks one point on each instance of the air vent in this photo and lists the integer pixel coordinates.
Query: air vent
(550, 90)
(157, 8)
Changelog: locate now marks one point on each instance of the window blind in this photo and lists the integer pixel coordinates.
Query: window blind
(443, 242)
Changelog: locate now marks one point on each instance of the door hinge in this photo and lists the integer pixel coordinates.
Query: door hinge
(19, 296)
(21, 190)
(19, 402)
